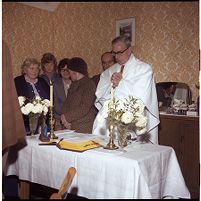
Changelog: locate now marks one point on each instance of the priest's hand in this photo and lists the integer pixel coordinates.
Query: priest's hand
(116, 78)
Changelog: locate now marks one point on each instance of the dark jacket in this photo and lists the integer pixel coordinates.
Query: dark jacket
(96, 79)
(22, 88)
(79, 108)
(59, 97)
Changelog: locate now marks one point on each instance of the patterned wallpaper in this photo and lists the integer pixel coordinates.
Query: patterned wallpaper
(166, 35)
(27, 31)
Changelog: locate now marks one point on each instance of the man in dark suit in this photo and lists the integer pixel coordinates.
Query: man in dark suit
(107, 60)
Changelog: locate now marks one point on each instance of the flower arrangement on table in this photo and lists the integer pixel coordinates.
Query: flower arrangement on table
(126, 115)
(34, 109)
(34, 106)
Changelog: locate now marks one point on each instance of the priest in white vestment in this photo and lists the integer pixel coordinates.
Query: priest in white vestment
(136, 79)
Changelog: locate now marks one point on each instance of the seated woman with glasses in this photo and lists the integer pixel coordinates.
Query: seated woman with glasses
(30, 85)
(61, 87)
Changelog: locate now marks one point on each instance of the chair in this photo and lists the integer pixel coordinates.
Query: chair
(63, 191)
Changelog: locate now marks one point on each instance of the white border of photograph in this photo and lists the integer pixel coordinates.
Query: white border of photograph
(126, 27)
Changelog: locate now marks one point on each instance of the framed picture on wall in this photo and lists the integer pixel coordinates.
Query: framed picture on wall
(126, 27)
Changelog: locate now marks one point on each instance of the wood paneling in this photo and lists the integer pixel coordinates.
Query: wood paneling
(182, 133)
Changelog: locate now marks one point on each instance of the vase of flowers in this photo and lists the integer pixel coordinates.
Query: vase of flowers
(33, 123)
(34, 109)
(126, 115)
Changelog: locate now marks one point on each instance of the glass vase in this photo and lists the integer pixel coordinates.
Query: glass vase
(122, 136)
(33, 123)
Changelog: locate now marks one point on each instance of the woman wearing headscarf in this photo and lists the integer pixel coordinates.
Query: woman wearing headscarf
(78, 111)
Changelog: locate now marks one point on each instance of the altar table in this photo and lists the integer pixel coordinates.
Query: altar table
(141, 170)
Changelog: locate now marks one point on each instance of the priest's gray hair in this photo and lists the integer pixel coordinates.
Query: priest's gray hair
(123, 39)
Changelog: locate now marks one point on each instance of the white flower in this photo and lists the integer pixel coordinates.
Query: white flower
(38, 108)
(21, 100)
(24, 110)
(141, 131)
(141, 121)
(127, 114)
(141, 109)
(28, 108)
(127, 117)
(46, 102)
(140, 106)
(45, 109)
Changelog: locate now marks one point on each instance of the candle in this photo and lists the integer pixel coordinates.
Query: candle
(51, 94)
(112, 92)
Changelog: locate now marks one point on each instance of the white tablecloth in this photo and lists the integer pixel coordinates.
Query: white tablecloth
(141, 171)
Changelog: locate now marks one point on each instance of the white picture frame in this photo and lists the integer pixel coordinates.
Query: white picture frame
(126, 27)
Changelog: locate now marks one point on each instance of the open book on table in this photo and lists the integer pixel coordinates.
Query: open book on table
(78, 146)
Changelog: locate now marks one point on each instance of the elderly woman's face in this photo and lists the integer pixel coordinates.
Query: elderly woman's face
(32, 71)
(73, 75)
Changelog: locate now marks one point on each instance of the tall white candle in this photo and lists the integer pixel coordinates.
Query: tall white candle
(51, 94)
(112, 92)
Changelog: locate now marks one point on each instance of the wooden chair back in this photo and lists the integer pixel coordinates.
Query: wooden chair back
(63, 191)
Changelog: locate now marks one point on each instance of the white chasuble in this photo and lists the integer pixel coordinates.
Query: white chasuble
(138, 81)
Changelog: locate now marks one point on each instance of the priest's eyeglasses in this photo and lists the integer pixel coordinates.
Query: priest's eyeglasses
(119, 52)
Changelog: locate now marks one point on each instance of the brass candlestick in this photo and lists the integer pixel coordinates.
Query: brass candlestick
(52, 135)
(111, 144)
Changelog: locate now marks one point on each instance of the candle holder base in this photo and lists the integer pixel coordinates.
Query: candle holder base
(111, 146)
(52, 136)
(44, 138)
